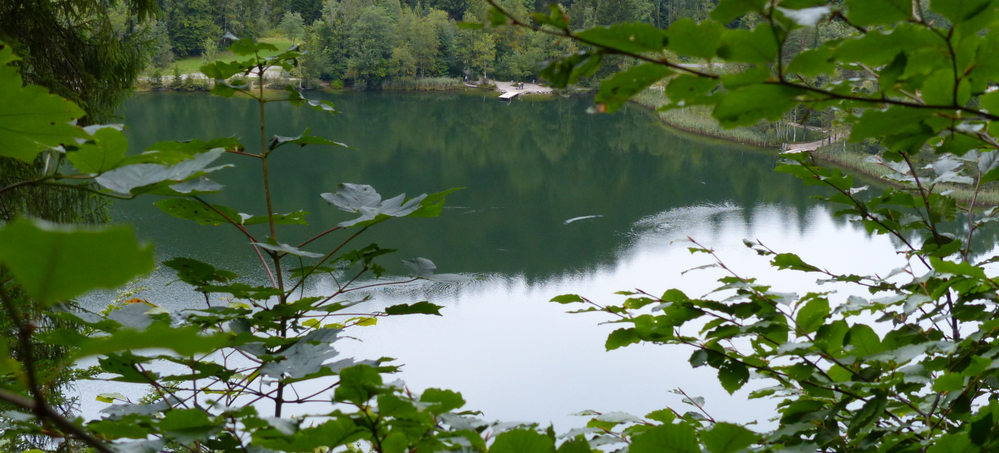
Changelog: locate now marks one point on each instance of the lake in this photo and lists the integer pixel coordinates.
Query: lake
(554, 201)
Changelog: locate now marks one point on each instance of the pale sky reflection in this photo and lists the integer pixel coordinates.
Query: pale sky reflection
(517, 357)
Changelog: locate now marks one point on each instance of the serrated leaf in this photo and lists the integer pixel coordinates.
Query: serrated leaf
(198, 273)
(304, 357)
(522, 441)
(630, 37)
(104, 152)
(749, 104)
(618, 89)
(188, 425)
(364, 200)
(690, 38)
(812, 62)
(188, 209)
(873, 12)
(758, 45)
(302, 139)
(58, 262)
(728, 438)
(32, 119)
(128, 178)
(287, 248)
(665, 439)
(812, 315)
(567, 299)
(620, 338)
(419, 308)
(733, 375)
(442, 400)
(729, 10)
(687, 90)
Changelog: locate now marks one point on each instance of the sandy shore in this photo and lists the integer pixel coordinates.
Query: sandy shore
(529, 88)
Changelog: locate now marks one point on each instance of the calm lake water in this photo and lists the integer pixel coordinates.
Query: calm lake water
(554, 201)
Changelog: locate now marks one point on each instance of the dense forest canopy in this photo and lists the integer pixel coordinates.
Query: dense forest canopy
(363, 42)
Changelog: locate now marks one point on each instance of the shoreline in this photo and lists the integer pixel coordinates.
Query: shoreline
(845, 160)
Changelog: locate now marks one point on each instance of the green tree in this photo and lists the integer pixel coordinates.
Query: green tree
(292, 26)
(74, 49)
(371, 42)
(190, 24)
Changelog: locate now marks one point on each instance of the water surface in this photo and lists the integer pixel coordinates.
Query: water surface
(554, 200)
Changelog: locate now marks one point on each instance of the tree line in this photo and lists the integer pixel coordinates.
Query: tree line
(361, 43)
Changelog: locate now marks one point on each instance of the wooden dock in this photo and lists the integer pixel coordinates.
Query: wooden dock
(509, 95)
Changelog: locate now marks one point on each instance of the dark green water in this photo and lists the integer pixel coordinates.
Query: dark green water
(526, 167)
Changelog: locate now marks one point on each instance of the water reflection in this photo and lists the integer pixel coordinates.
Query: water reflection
(526, 168)
(635, 193)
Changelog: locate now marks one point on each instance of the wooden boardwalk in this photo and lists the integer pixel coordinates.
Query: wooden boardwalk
(509, 95)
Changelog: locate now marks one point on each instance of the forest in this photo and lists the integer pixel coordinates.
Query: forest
(361, 43)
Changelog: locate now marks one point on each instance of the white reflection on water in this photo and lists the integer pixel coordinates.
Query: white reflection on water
(517, 357)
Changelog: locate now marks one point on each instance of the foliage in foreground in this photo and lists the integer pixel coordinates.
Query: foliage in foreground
(905, 360)
(908, 363)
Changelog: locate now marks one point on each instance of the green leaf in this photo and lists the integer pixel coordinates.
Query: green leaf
(874, 12)
(578, 445)
(105, 150)
(728, 438)
(950, 382)
(304, 357)
(442, 400)
(729, 10)
(732, 375)
(813, 62)
(666, 439)
(287, 249)
(630, 37)
(792, 261)
(972, 14)
(197, 273)
(291, 218)
(364, 200)
(188, 209)
(568, 299)
(126, 179)
(419, 308)
(868, 414)
(688, 89)
(747, 105)
(522, 441)
(750, 46)
(620, 338)
(186, 341)
(618, 89)
(188, 425)
(864, 341)
(687, 37)
(812, 316)
(331, 434)
(358, 384)
(938, 89)
(301, 140)
(32, 119)
(563, 72)
(57, 262)
(953, 443)
(962, 268)
(247, 46)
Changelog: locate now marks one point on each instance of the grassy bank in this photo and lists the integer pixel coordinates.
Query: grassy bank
(193, 64)
(424, 84)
